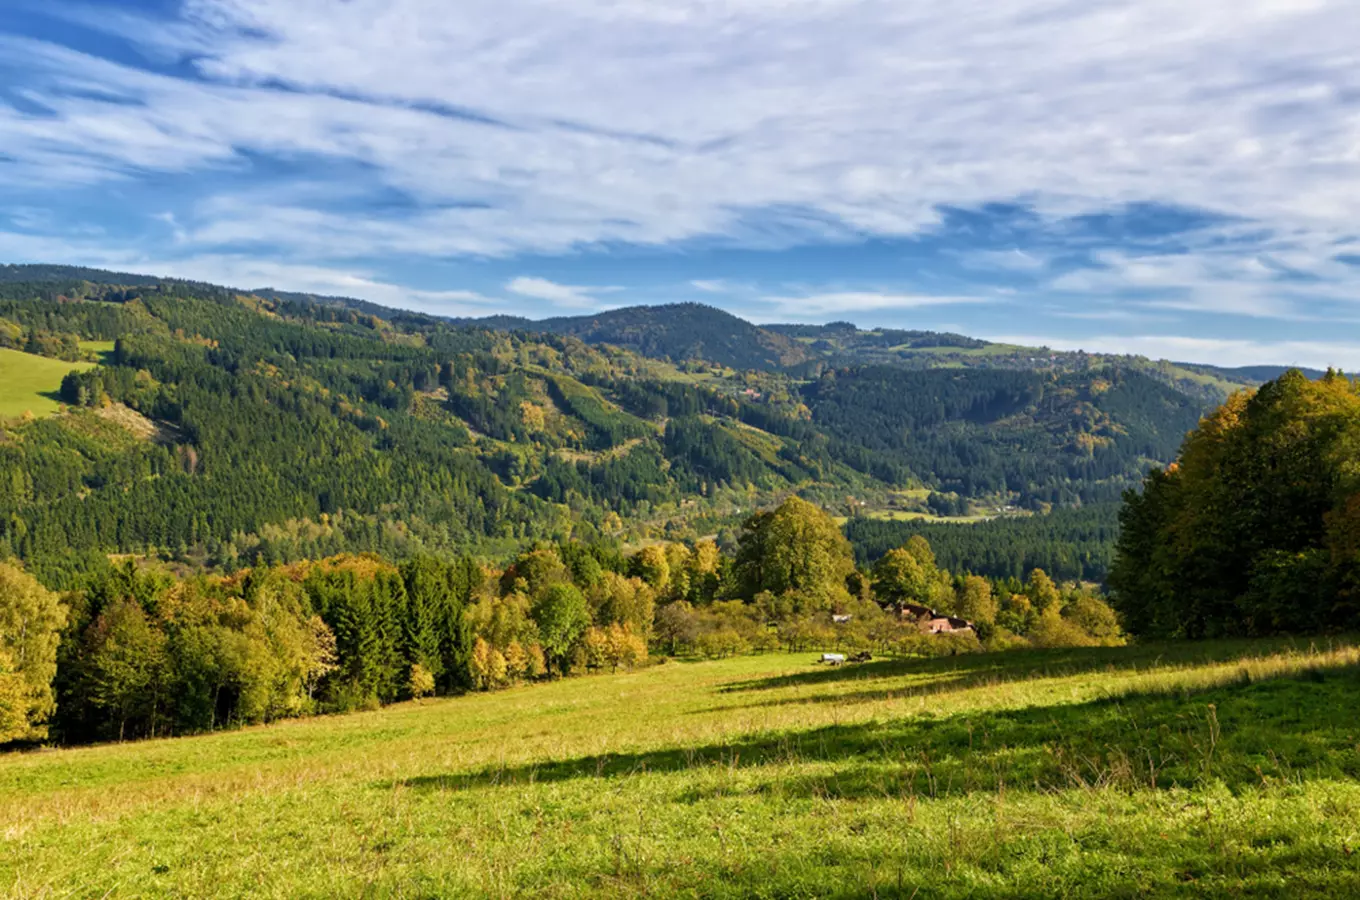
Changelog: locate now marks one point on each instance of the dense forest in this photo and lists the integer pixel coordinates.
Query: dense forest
(229, 429)
(1255, 529)
(1068, 544)
(1048, 439)
(143, 651)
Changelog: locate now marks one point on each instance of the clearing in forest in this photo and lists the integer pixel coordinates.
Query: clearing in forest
(1211, 769)
(30, 383)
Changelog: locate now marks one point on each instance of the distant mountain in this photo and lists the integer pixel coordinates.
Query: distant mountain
(272, 425)
(680, 331)
(1253, 374)
(698, 332)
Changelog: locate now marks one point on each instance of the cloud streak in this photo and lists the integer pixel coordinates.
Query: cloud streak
(568, 295)
(328, 134)
(1216, 351)
(848, 303)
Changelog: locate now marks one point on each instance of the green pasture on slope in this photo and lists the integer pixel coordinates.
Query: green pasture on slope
(1178, 770)
(30, 383)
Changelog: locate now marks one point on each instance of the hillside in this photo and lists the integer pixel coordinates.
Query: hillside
(678, 331)
(29, 384)
(289, 426)
(1221, 769)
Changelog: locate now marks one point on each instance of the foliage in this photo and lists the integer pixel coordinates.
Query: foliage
(1253, 530)
(30, 620)
(794, 549)
(563, 617)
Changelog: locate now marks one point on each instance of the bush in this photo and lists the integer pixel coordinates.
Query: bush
(421, 683)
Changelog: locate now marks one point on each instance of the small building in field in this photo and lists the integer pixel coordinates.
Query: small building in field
(932, 622)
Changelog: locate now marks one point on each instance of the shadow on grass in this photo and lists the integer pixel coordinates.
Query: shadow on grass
(1242, 734)
(1021, 665)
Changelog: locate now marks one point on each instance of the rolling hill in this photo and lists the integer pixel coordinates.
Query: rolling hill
(678, 331)
(291, 426)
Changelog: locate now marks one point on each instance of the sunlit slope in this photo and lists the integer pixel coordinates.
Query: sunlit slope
(1186, 770)
(30, 383)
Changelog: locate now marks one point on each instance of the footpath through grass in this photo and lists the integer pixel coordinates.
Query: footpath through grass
(1206, 770)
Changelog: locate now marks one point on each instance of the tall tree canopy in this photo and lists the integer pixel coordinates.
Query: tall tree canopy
(30, 619)
(795, 548)
(1257, 528)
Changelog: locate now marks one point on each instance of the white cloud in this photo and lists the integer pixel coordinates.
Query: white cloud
(711, 286)
(557, 294)
(819, 306)
(1004, 260)
(1279, 278)
(655, 122)
(527, 126)
(1215, 351)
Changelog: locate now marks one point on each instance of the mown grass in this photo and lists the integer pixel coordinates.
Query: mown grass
(30, 383)
(1216, 769)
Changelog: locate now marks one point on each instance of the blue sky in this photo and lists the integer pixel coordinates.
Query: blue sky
(1154, 176)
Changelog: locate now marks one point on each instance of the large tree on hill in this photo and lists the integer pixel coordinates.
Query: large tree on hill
(1256, 529)
(796, 548)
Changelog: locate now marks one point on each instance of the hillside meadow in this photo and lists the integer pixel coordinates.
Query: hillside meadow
(29, 383)
(1204, 769)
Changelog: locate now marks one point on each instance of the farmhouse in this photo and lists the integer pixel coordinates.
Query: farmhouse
(931, 622)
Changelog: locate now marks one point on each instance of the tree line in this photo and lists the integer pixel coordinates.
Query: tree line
(1255, 529)
(1069, 544)
(140, 651)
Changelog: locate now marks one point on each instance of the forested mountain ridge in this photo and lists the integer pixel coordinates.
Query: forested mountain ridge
(695, 332)
(676, 331)
(690, 332)
(229, 428)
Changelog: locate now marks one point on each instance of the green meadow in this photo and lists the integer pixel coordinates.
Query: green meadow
(30, 383)
(1191, 770)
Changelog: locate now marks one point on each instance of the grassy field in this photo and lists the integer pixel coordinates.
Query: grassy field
(102, 349)
(30, 383)
(1198, 770)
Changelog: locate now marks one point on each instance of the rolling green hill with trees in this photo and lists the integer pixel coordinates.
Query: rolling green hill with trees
(256, 508)
(228, 428)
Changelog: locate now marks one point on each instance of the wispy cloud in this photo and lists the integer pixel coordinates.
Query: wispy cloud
(1216, 351)
(568, 295)
(1004, 260)
(331, 134)
(818, 306)
(711, 286)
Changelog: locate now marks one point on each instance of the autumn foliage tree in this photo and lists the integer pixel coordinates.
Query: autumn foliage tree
(1256, 529)
(30, 619)
(794, 549)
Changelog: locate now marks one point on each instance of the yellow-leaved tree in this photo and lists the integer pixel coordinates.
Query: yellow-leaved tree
(31, 618)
